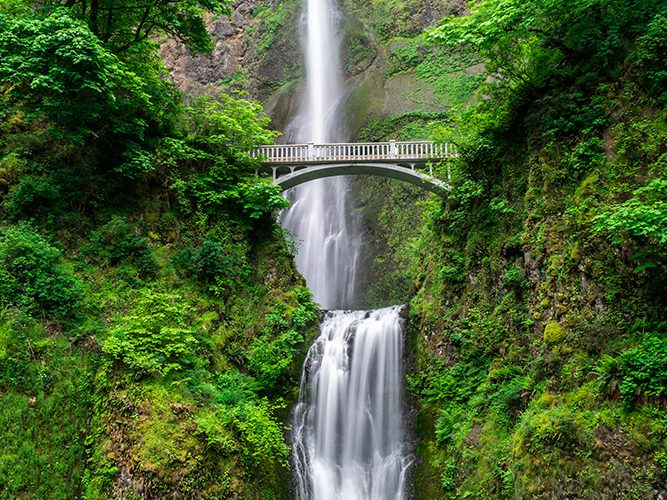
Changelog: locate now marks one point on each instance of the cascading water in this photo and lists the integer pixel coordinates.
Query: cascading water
(348, 429)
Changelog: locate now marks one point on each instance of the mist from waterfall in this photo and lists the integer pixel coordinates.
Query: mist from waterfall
(348, 437)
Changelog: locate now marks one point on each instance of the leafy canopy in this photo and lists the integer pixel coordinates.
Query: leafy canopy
(526, 41)
(124, 24)
(56, 68)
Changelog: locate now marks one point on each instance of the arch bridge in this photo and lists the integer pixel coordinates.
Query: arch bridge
(294, 164)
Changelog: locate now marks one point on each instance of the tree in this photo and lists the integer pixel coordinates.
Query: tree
(122, 24)
(528, 41)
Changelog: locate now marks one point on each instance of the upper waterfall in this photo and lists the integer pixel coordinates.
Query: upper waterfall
(321, 219)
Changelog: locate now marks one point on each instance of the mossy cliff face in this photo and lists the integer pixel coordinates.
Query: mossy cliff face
(164, 384)
(538, 344)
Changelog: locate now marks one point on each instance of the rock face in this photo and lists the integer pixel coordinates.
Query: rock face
(257, 50)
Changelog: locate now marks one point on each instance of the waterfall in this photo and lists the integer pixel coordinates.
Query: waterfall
(348, 431)
(321, 219)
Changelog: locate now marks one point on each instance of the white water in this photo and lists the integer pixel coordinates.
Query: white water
(348, 429)
(320, 218)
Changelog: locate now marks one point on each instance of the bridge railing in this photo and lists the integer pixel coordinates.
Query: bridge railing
(340, 152)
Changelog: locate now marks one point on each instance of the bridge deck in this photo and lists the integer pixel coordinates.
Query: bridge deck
(384, 152)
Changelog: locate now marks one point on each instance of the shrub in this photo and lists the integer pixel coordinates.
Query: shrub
(116, 242)
(32, 276)
(156, 338)
(32, 197)
(644, 370)
(261, 435)
(550, 430)
(220, 262)
(652, 54)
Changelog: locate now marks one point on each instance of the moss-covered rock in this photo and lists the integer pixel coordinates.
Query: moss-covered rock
(553, 333)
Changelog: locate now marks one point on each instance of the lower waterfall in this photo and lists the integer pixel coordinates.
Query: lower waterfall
(348, 428)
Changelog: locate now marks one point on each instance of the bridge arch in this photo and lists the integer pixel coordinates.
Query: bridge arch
(294, 164)
(400, 172)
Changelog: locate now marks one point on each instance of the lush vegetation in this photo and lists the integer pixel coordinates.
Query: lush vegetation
(152, 324)
(538, 326)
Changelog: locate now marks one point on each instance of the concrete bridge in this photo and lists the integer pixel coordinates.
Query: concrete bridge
(294, 164)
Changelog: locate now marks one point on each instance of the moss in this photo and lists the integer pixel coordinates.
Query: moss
(553, 333)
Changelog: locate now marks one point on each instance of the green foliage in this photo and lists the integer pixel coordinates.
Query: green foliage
(638, 374)
(446, 71)
(164, 380)
(220, 262)
(32, 197)
(522, 42)
(156, 338)
(643, 218)
(652, 55)
(272, 354)
(226, 126)
(55, 67)
(554, 429)
(404, 54)
(44, 410)
(117, 242)
(32, 276)
(217, 168)
(565, 145)
(261, 435)
(272, 19)
(124, 24)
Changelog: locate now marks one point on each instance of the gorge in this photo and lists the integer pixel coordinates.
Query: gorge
(165, 333)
